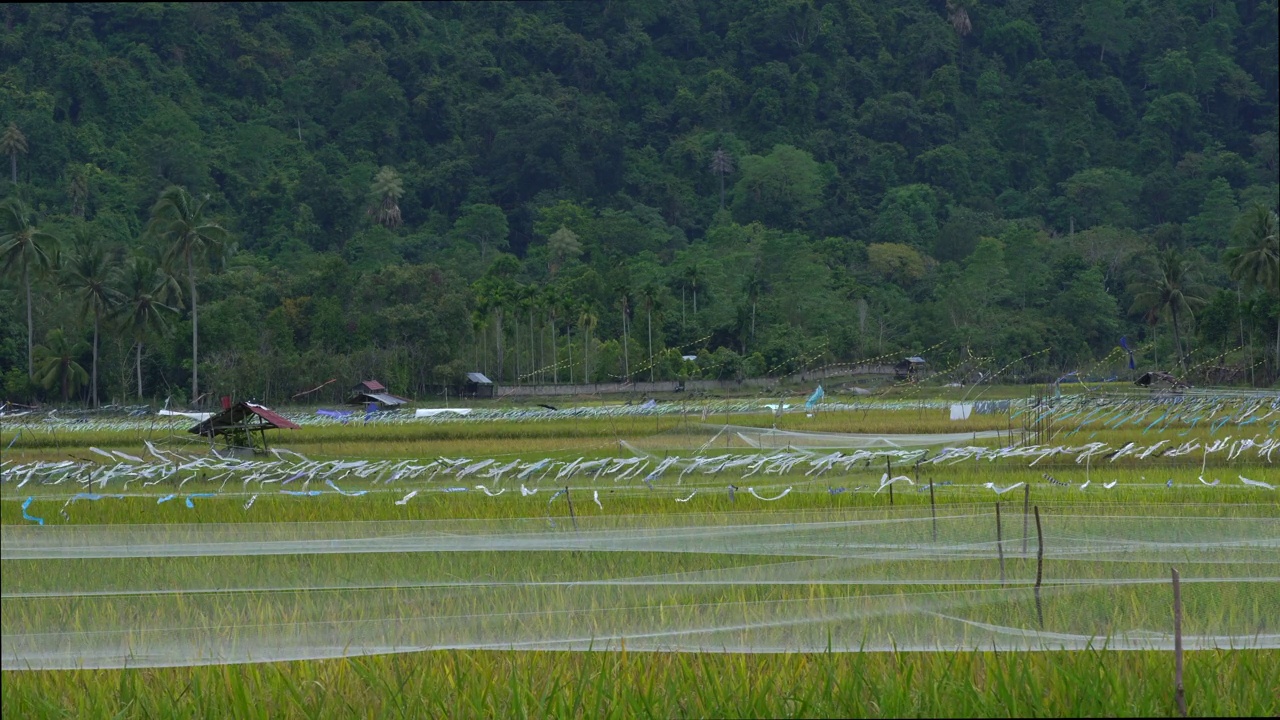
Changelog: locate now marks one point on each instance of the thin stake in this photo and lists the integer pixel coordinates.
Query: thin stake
(999, 543)
(1179, 694)
(572, 517)
(933, 511)
(1039, 567)
(1026, 501)
(888, 472)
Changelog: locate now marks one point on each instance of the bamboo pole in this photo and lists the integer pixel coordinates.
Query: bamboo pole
(1179, 694)
(572, 517)
(1039, 567)
(999, 543)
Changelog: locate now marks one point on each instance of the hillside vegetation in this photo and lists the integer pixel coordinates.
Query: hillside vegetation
(560, 191)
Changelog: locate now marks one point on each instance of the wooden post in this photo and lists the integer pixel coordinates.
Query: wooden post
(933, 511)
(999, 543)
(888, 472)
(572, 517)
(1179, 694)
(1039, 567)
(1026, 500)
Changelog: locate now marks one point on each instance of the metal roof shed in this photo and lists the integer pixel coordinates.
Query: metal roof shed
(238, 423)
(372, 391)
(478, 385)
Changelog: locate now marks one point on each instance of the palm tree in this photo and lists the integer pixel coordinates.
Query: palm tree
(587, 320)
(754, 286)
(691, 277)
(625, 303)
(649, 293)
(386, 190)
(1254, 260)
(958, 16)
(58, 363)
(143, 309)
(90, 276)
(13, 143)
(177, 219)
(721, 164)
(25, 248)
(563, 245)
(1171, 285)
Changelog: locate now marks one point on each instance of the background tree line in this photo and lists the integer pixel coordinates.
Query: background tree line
(257, 197)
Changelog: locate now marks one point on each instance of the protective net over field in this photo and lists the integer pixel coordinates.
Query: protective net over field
(847, 580)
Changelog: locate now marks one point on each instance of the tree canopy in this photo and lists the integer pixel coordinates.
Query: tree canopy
(419, 190)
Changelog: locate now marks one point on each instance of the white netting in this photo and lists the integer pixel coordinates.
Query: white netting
(111, 596)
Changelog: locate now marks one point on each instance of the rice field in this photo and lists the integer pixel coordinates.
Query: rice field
(868, 560)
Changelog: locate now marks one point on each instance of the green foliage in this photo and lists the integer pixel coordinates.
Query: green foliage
(784, 174)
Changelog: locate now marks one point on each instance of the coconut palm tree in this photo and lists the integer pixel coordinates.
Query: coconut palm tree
(721, 164)
(562, 246)
(58, 363)
(624, 302)
(25, 249)
(958, 16)
(649, 295)
(178, 220)
(13, 143)
(1171, 285)
(1254, 260)
(144, 310)
(386, 190)
(90, 276)
(587, 321)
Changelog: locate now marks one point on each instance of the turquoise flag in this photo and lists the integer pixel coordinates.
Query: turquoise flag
(815, 397)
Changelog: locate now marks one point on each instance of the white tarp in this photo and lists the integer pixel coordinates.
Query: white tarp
(433, 412)
(198, 417)
(961, 411)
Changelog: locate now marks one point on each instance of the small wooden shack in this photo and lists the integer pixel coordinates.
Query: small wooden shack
(478, 386)
(1157, 380)
(909, 368)
(243, 425)
(374, 392)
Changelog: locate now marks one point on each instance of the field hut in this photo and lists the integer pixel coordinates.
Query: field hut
(910, 368)
(478, 386)
(1157, 380)
(372, 392)
(243, 425)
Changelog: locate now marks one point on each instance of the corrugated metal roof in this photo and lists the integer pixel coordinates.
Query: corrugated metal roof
(386, 399)
(238, 415)
(373, 386)
(479, 378)
(271, 416)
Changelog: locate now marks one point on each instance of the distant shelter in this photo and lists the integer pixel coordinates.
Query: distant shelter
(374, 392)
(478, 386)
(911, 368)
(243, 425)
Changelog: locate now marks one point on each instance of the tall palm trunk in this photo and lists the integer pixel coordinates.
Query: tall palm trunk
(138, 366)
(497, 336)
(1177, 339)
(26, 282)
(97, 323)
(649, 319)
(195, 329)
(555, 354)
(626, 355)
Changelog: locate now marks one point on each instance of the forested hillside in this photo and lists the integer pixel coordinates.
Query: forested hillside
(555, 191)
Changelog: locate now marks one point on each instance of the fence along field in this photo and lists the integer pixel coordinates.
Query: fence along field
(683, 537)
